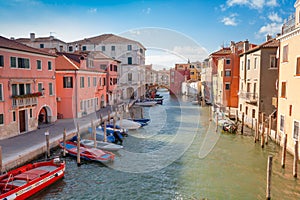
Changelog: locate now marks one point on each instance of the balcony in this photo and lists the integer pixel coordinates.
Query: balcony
(250, 97)
(23, 102)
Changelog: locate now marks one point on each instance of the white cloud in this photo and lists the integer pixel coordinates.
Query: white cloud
(271, 29)
(147, 11)
(230, 21)
(92, 10)
(274, 17)
(256, 4)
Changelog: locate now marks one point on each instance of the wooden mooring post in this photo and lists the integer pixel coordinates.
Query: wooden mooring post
(94, 133)
(1, 163)
(108, 116)
(296, 158)
(284, 151)
(47, 144)
(269, 129)
(78, 146)
(64, 142)
(255, 131)
(243, 121)
(101, 119)
(217, 122)
(105, 136)
(236, 116)
(269, 175)
(263, 130)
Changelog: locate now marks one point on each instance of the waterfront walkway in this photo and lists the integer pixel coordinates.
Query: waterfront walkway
(25, 147)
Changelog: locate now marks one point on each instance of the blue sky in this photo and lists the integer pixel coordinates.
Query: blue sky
(207, 24)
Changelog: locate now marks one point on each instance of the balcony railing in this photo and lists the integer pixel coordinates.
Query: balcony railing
(249, 96)
(289, 25)
(22, 102)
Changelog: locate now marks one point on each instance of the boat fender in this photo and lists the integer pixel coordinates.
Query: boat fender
(56, 175)
(10, 197)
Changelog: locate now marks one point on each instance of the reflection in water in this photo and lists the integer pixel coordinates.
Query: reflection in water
(230, 167)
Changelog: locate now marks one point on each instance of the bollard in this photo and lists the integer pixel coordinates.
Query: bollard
(47, 144)
(243, 121)
(284, 151)
(295, 165)
(269, 175)
(64, 142)
(78, 146)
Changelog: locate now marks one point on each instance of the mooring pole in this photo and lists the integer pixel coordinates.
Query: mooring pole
(243, 121)
(47, 144)
(255, 132)
(78, 146)
(296, 155)
(64, 142)
(1, 163)
(269, 175)
(105, 136)
(284, 151)
(94, 134)
(263, 130)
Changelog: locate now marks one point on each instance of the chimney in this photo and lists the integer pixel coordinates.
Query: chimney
(269, 37)
(12, 38)
(32, 36)
(246, 45)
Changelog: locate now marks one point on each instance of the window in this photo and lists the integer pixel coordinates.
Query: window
(246, 112)
(282, 123)
(103, 67)
(103, 48)
(296, 130)
(115, 68)
(30, 113)
(242, 65)
(14, 116)
(192, 73)
(113, 48)
(228, 73)
(1, 119)
(83, 48)
(129, 60)
(1, 61)
(100, 82)
(1, 92)
(50, 89)
(141, 50)
(104, 81)
(38, 64)
(298, 67)
(290, 110)
(248, 64)
(94, 81)
(253, 113)
(40, 87)
(13, 62)
(89, 81)
(241, 107)
(285, 53)
(273, 62)
(129, 76)
(68, 82)
(49, 65)
(82, 82)
(227, 86)
(227, 61)
(129, 47)
(70, 48)
(28, 88)
(42, 46)
(255, 63)
(283, 90)
(111, 67)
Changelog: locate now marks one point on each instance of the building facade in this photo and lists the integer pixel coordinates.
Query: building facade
(27, 88)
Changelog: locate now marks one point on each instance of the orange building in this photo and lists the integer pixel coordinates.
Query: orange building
(81, 87)
(27, 88)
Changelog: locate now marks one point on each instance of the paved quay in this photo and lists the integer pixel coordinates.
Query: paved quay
(28, 146)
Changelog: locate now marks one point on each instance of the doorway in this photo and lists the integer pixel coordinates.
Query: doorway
(22, 121)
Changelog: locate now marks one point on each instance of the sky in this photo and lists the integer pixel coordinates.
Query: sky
(173, 31)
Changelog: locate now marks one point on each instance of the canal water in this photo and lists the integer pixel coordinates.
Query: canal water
(179, 155)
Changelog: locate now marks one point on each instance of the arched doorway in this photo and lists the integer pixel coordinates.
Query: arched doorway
(44, 116)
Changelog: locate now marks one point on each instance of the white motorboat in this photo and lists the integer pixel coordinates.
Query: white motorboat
(128, 124)
(101, 145)
(146, 103)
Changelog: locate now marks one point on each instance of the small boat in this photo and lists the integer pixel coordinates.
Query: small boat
(111, 129)
(27, 180)
(144, 120)
(101, 145)
(146, 103)
(87, 153)
(100, 135)
(128, 124)
(228, 125)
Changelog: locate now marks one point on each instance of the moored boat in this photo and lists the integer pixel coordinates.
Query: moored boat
(101, 145)
(146, 103)
(128, 124)
(27, 180)
(87, 153)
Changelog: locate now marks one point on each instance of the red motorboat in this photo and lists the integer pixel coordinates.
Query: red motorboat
(27, 180)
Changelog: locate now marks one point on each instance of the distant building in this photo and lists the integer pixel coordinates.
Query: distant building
(27, 88)
(289, 81)
(44, 42)
(178, 75)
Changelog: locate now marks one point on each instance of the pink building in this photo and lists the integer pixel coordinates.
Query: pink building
(27, 88)
(81, 87)
(110, 66)
(178, 75)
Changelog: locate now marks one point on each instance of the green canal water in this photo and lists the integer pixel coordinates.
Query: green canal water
(179, 155)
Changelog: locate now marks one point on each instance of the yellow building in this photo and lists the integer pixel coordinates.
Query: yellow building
(289, 81)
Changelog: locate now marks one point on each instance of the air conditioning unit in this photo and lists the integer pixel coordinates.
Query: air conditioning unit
(58, 99)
